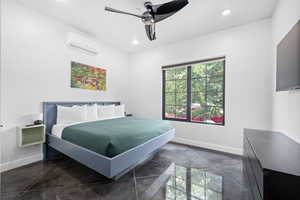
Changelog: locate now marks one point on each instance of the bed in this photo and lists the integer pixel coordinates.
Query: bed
(112, 150)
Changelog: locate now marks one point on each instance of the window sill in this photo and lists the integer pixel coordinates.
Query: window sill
(193, 122)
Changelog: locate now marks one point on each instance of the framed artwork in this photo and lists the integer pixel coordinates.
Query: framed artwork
(87, 77)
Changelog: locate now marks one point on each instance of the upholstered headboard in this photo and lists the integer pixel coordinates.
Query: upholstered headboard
(50, 110)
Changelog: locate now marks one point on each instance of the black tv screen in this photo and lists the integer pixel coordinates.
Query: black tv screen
(288, 61)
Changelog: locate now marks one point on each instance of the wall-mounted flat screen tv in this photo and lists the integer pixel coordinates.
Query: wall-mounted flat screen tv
(288, 61)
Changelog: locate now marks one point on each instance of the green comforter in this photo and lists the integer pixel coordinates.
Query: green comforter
(114, 136)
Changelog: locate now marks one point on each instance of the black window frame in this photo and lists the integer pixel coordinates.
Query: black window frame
(188, 66)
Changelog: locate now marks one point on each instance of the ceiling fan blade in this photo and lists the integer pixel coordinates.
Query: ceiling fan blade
(121, 12)
(172, 6)
(158, 18)
(150, 31)
(166, 10)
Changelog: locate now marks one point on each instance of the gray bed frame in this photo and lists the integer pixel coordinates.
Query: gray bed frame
(112, 168)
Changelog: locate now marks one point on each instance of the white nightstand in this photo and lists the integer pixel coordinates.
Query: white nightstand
(31, 135)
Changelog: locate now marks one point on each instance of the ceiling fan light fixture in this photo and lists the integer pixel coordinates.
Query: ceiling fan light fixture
(147, 18)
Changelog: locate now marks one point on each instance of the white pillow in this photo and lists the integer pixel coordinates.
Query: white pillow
(106, 112)
(81, 111)
(72, 114)
(92, 112)
(120, 111)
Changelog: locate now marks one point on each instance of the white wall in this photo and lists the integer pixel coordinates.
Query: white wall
(286, 104)
(248, 83)
(36, 68)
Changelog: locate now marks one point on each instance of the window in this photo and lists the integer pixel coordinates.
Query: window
(195, 91)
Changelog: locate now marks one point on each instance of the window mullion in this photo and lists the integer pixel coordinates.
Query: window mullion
(189, 92)
(175, 107)
(164, 95)
(206, 88)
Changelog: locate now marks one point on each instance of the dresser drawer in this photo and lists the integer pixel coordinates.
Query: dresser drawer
(255, 166)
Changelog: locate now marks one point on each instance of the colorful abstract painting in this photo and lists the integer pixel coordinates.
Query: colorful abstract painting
(87, 77)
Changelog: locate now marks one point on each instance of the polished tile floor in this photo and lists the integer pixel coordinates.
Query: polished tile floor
(177, 172)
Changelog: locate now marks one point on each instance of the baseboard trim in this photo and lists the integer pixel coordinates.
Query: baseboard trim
(20, 162)
(205, 145)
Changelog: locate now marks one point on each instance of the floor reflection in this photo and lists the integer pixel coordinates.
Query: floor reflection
(166, 177)
(182, 183)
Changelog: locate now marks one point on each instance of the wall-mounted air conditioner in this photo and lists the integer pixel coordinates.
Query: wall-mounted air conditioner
(82, 43)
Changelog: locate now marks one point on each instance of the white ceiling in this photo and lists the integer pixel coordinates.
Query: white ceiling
(199, 17)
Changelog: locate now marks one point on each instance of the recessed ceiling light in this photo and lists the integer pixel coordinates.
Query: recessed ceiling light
(226, 12)
(135, 42)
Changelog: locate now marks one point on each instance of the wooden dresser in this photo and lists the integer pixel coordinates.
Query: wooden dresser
(271, 165)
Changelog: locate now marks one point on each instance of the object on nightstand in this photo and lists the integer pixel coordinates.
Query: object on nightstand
(129, 115)
(37, 119)
(29, 135)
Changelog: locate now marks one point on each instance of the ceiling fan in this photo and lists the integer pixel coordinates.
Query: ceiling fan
(154, 14)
